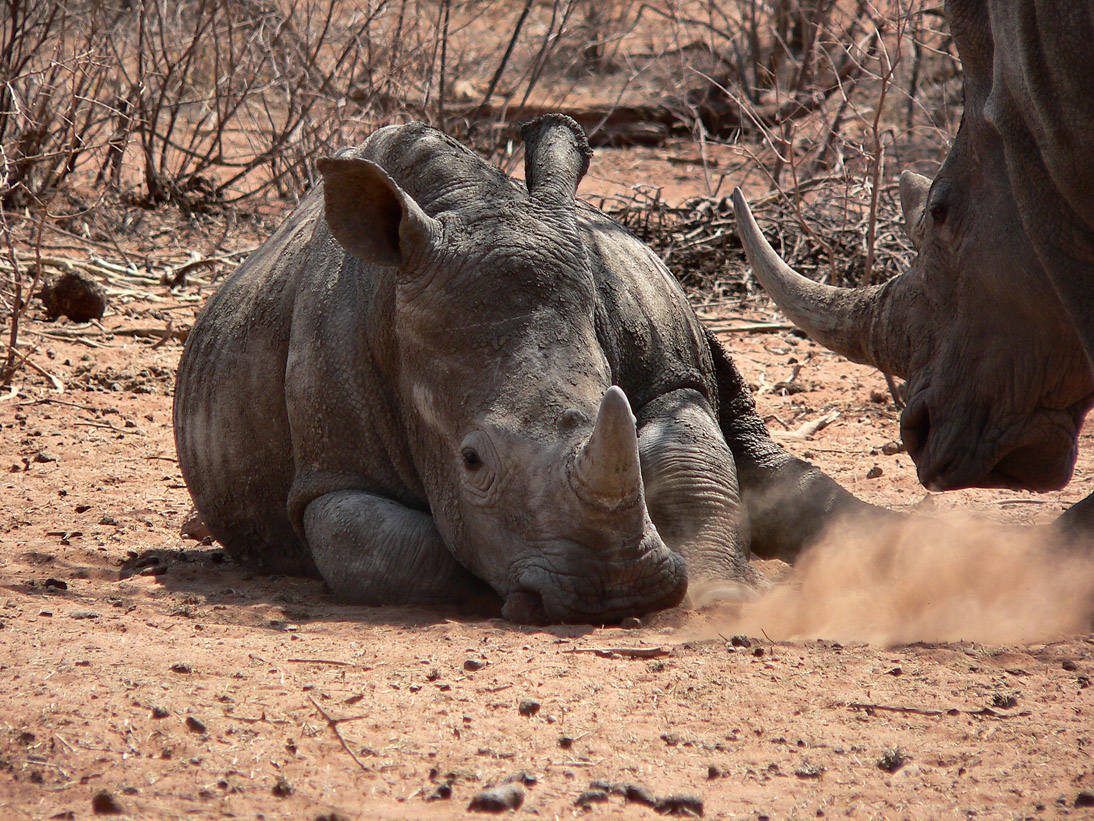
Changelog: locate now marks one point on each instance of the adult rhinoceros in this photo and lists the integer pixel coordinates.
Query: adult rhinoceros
(431, 378)
(993, 325)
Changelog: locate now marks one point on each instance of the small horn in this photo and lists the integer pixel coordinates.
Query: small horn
(607, 472)
(914, 189)
(849, 321)
(556, 156)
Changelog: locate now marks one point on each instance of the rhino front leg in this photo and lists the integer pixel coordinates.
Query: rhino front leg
(691, 492)
(371, 550)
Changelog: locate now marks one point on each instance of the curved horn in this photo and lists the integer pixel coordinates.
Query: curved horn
(607, 472)
(849, 321)
(556, 156)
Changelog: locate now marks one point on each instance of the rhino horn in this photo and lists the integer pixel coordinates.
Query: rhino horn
(853, 322)
(607, 472)
(556, 157)
(914, 189)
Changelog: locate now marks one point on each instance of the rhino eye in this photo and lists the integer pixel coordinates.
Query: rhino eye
(939, 205)
(471, 459)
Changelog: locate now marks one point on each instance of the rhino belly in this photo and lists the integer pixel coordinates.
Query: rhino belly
(232, 437)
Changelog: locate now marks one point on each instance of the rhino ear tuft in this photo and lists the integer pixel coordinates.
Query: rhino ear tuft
(556, 156)
(369, 215)
(914, 189)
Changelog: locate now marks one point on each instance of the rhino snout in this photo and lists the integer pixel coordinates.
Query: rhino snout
(570, 584)
(954, 448)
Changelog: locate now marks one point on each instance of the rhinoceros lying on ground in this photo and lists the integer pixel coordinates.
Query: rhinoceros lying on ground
(994, 323)
(430, 378)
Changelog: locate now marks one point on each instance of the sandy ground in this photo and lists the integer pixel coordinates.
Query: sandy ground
(937, 672)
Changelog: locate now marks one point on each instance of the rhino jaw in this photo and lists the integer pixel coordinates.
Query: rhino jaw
(632, 581)
(606, 472)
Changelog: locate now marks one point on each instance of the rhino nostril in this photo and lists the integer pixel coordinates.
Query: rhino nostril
(915, 426)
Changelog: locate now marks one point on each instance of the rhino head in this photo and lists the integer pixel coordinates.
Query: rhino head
(526, 452)
(998, 381)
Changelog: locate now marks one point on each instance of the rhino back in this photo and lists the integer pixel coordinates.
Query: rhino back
(231, 425)
(649, 332)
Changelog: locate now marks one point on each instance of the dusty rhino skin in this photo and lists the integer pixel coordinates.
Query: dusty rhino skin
(432, 381)
(993, 325)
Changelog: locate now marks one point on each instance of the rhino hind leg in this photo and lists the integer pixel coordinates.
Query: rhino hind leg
(691, 492)
(371, 550)
(789, 502)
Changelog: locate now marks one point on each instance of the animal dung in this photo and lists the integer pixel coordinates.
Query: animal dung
(74, 296)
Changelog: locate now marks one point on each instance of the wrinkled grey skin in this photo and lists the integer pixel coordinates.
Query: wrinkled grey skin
(993, 325)
(422, 386)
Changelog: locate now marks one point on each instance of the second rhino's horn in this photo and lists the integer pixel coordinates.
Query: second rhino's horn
(862, 324)
(607, 472)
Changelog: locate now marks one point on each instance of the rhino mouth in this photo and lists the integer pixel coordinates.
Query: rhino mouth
(606, 593)
(1038, 453)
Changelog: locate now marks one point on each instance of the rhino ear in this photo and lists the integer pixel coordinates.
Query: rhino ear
(370, 215)
(556, 157)
(914, 189)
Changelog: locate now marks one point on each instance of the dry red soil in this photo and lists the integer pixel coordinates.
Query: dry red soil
(936, 672)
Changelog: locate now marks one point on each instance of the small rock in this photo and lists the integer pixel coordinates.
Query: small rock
(522, 777)
(714, 772)
(590, 797)
(181, 667)
(892, 448)
(1004, 701)
(44, 456)
(681, 804)
(83, 614)
(74, 296)
(565, 742)
(741, 641)
(892, 760)
(1084, 799)
(637, 794)
(528, 707)
(1069, 665)
(159, 712)
(55, 584)
(498, 799)
(874, 472)
(757, 651)
(807, 769)
(104, 803)
(630, 623)
(194, 725)
(282, 788)
(442, 793)
(879, 397)
(471, 665)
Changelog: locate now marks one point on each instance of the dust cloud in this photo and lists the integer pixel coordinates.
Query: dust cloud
(923, 579)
